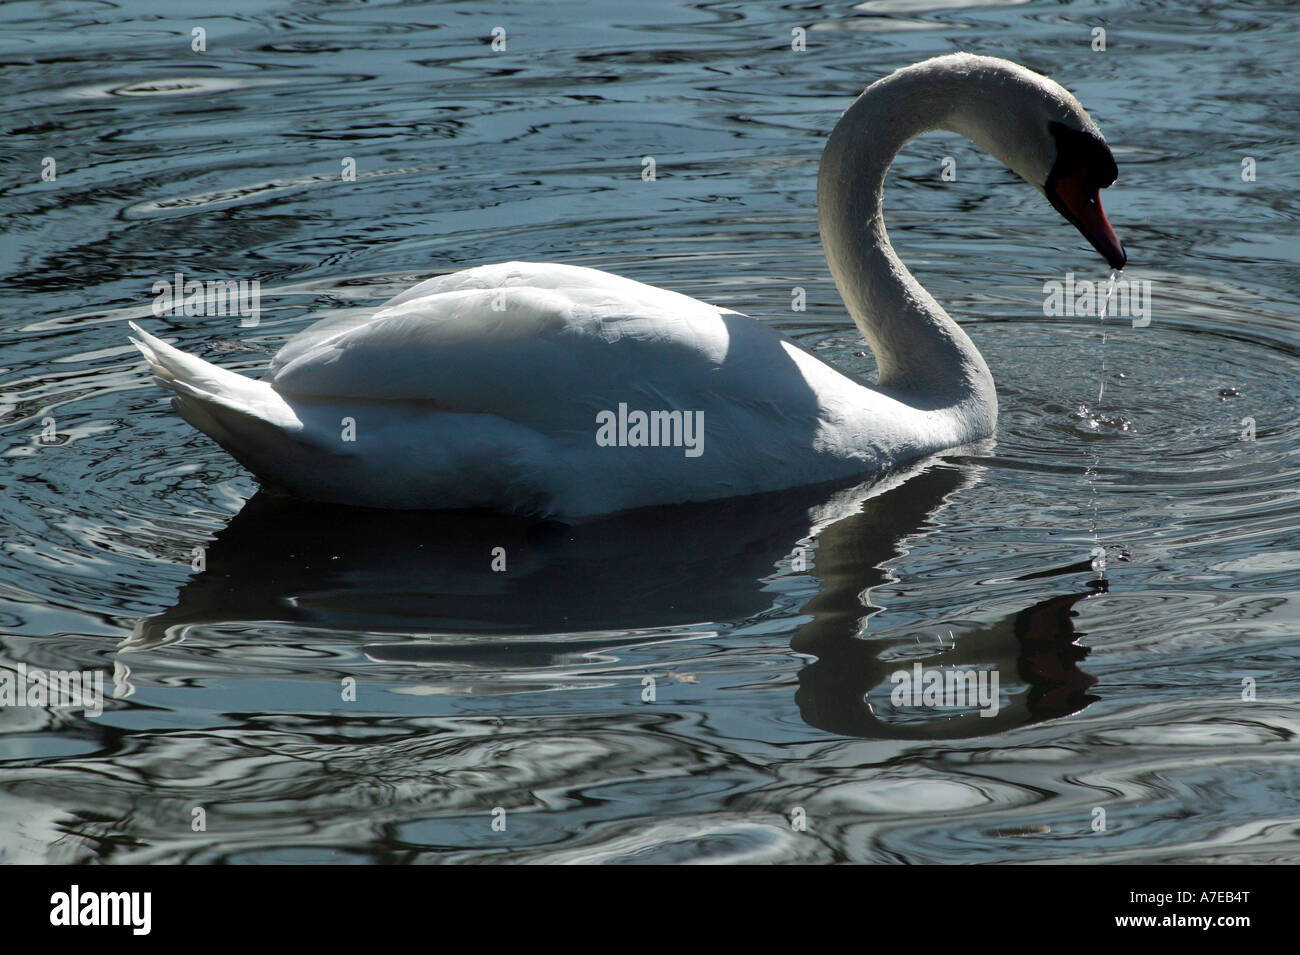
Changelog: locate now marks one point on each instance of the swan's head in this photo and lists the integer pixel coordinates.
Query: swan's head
(1043, 134)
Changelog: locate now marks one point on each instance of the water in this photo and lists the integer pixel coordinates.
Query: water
(765, 625)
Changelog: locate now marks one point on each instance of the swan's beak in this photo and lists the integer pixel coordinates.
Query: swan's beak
(1078, 199)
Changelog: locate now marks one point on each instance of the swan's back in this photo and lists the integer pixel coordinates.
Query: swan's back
(543, 345)
(485, 388)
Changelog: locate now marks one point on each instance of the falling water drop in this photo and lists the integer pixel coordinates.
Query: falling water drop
(1090, 472)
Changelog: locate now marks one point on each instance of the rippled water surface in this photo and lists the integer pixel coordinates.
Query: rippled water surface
(769, 627)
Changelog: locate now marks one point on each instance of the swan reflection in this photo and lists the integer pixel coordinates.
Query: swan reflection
(419, 589)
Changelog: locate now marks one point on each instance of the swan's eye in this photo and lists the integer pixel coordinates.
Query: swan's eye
(1081, 152)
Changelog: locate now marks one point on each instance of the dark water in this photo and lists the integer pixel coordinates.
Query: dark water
(770, 627)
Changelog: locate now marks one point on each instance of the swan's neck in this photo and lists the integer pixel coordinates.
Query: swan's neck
(924, 358)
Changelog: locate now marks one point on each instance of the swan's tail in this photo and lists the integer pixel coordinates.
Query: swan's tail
(245, 416)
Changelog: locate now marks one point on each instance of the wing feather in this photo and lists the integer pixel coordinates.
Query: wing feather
(509, 339)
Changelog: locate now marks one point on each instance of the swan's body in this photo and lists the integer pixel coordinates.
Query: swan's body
(490, 387)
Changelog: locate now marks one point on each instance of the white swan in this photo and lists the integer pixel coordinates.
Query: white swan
(517, 387)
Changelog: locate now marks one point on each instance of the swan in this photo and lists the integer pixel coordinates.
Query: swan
(557, 390)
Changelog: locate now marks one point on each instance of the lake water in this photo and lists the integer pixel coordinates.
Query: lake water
(689, 684)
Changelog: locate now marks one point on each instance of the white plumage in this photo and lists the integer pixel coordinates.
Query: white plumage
(482, 389)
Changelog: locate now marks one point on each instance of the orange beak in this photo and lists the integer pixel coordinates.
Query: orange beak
(1079, 200)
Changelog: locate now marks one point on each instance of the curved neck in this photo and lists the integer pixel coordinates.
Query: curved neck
(924, 358)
